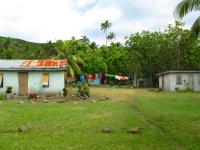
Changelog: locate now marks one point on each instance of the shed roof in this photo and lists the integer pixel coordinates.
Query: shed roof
(28, 65)
(178, 71)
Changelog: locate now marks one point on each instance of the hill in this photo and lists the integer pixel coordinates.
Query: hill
(12, 48)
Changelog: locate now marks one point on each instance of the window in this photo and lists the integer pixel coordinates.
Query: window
(45, 80)
(178, 79)
(1, 80)
(199, 79)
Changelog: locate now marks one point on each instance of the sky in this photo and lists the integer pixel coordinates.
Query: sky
(45, 20)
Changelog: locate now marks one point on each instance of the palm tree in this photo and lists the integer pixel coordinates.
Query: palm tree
(104, 27)
(186, 6)
(73, 62)
(85, 39)
(93, 45)
(111, 36)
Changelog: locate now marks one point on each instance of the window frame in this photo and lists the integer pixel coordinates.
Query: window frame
(179, 80)
(1, 84)
(43, 85)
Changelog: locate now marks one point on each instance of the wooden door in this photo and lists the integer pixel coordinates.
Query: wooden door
(23, 83)
(191, 81)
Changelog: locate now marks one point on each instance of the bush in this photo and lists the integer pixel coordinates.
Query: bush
(2, 97)
(84, 90)
(65, 92)
(9, 89)
(183, 90)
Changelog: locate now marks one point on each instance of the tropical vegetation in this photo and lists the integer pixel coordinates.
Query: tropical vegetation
(142, 55)
(185, 7)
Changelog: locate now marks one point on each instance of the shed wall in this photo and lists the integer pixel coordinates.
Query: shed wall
(56, 82)
(10, 79)
(171, 79)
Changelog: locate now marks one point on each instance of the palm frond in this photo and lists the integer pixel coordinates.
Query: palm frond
(78, 60)
(196, 27)
(70, 71)
(186, 6)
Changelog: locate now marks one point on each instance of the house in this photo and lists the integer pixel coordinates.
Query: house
(173, 80)
(33, 76)
(144, 82)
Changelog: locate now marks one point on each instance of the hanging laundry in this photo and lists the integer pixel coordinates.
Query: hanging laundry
(93, 76)
(117, 77)
(126, 78)
(86, 77)
(82, 77)
(99, 76)
(122, 78)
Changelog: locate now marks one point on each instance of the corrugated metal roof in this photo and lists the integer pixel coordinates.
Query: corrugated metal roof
(178, 71)
(33, 64)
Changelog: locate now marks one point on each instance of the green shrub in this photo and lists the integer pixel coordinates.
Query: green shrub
(183, 90)
(111, 83)
(9, 89)
(2, 97)
(84, 90)
(65, 92)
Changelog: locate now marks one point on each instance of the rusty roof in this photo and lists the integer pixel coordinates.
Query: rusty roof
(33, 64)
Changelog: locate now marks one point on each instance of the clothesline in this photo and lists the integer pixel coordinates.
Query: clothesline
(118, 77)
(100, 76)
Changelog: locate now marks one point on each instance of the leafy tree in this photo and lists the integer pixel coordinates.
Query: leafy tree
(186, 6)
(104, 27)
(64, 52)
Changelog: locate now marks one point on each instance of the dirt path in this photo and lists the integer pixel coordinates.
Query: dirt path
(170, 140)
(127, 95)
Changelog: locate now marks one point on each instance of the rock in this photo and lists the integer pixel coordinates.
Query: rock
(106, 130)
(45, 101)
(93, 101)
(75, 102)
(50, 97)
(21, 102)
(23, 129)
(134, 130)
(104, 99)
(61, 101)
(32, 102)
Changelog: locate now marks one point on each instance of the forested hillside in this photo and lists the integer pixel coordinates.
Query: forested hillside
(142, 55)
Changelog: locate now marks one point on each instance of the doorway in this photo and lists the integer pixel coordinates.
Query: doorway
(23, 83)
(191, 81)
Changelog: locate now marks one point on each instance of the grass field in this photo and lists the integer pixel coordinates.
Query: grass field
(167, 121)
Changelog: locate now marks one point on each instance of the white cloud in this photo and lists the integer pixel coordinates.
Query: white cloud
(43, 20)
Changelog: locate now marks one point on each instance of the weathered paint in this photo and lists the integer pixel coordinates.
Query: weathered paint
(56, 82)
(10, 79)
(170, 81)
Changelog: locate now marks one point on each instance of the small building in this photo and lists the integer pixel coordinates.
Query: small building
(144, 82)
(33, 76)
(173, 80)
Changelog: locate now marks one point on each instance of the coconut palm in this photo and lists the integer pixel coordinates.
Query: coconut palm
(73, 62)
(85, 39)
(104, 27)
(186, 6)
(111, 36)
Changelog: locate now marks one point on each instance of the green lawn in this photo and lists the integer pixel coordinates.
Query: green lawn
(168, 121)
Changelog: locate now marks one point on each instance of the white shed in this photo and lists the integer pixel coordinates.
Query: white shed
(33, 76)
(172, 80)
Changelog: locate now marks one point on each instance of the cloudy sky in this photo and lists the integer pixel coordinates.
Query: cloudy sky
(44, 20)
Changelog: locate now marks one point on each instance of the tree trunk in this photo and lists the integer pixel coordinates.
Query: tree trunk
(106, 37)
